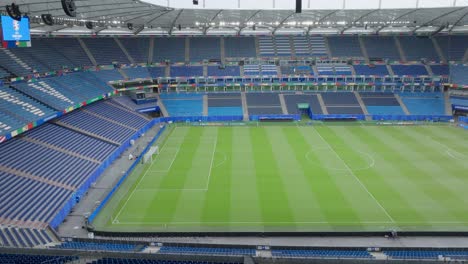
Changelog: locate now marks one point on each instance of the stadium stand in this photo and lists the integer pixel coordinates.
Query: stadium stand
(292, 100)
(424, 103)
(226, 104)
(183, 104)
(252, 69)
(34, 259)
(341, 103)
(13, 64)
(154, 261)
(458, 74)
(345, 47)
(107, 75)
(24, 237)
(426, 254)
(208, 251)
(381, 47)
(318, 47)
(172, 49)
(453, 47)
(137, 73)
(283, 47)
(325, 69)
(301, 46)
(205, 48)
(379, 70)
(381, 103)
(226, 71)
(239, 47)
(412, 70)
(416, 48)
(137, 48)
(263, 103)
(130, 104)
(266, 47)
(459, 100)
(440, 69)
(343, 70)
(157, 72)
(321, 253)
(105, 51)
(100, 246)
(186, 71)
(269, 69)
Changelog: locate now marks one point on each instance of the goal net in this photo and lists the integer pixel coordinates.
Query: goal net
(148, 157)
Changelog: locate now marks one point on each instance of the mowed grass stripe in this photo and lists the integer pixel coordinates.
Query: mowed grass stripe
(274, 201)
(410, 167)
(364, 205)
(245, 204)
(302, 202)
(384, 179)
(217, 205)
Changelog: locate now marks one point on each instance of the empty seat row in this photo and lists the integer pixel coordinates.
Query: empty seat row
(23, 237)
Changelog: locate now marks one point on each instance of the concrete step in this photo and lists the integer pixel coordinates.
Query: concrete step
(403, 106)
(322, 104)
(245, 108)
(162, 107)
(124, 50)
(87, 51)
(361, 103)
(283, 104)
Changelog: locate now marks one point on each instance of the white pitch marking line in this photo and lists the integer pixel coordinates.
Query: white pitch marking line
(211, 164)
(318, 222)
(448, 149)
(141, 179)
(355, 177)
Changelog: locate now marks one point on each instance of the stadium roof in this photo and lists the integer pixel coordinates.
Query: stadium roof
(247, 17)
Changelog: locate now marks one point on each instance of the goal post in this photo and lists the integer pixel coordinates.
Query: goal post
(148, 157)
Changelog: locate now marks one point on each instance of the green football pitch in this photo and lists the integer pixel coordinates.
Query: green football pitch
(297, 178)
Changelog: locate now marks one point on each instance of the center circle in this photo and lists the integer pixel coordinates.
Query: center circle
(366, 160)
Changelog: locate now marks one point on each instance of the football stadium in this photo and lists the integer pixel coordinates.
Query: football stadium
(233, 131)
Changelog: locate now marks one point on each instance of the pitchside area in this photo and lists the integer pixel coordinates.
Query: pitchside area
(297, 178)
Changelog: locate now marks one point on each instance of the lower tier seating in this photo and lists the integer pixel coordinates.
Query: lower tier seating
(424, 103)
(229, 104)
(183, 104)
(23, 237)
(321, 253)
(208, 251)
(154, 261)
(98, 246)
(34, 259)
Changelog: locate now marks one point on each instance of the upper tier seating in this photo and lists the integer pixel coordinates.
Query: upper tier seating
(412, 70)
(341, 103)
(105, 51)
(321, 253)
(266, 47)
(23, 237)
(45, 55)
(186, 71)
(17, 109)
(35, 259)
(440, 69)
(13, 66)
(205, 48)
(424, 103)
(99, 246)
(381, 47)
(345, 46)
(381, 103)
(416, 48)
(453, 47)
(208, 251)
(301, 46)
(183, 104)
(157, 72)
(137, 48)
(263, 103)
(459, 74)
(292, 100)
(239, 47)
(227, 71)
(283, 47)
(318, 46)
(172, 49)
(65, 91)
(379, 70)
(226, 104)
(137, 73)
(71, 49)
(108, 75)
